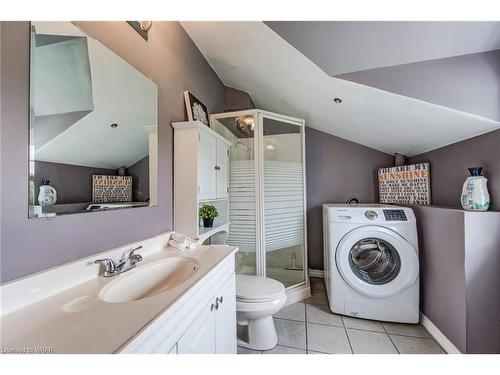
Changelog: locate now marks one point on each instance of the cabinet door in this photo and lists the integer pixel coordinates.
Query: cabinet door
(200, 337)
(225, 319)
(222, 170)
(207, 161)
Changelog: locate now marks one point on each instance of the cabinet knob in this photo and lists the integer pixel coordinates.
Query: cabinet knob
(221, 299)
(212, 307)
(216, 304)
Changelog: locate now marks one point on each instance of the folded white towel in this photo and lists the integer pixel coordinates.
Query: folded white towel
(177, 245)
(181, 242)
(178, 237)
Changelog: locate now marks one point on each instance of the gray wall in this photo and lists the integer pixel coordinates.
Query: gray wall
(442, 270)
(482, 280)
(459, 278)
(140, 182)
(73, 183)
(362, 45)
(468, 83)
(236, 100)
(173, 61)
(336, 170)
(449, 168)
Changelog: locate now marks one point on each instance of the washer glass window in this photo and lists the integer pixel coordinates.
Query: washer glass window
(374, 261)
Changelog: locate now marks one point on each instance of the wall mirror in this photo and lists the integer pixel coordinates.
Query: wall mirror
(93, 126)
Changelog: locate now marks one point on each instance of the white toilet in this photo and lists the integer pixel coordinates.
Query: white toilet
(257, 299)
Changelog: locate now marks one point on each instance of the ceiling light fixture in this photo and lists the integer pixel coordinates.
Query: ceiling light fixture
(337, 100)
(146, 25)
(245, 125)
(142, 27)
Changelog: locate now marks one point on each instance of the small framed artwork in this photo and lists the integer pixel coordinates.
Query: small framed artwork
(405, 184)
(111, 188)
(195, 109)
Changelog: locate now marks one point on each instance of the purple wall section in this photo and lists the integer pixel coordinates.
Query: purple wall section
(336, 169)
(468, 83)
(73, 183)
(140, 179)
(173, 61)
(236, 100)
(482, 280)
(449, 168)
(442, 270)
(459, 278)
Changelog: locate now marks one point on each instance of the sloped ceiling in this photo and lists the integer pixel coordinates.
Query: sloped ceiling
(252, 57)
(340, 47)
(454, 64)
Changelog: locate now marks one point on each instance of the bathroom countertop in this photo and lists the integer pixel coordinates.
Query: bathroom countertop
(77, 321)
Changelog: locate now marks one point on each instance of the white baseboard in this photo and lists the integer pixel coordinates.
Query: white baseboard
(316, 273)
(439, 336)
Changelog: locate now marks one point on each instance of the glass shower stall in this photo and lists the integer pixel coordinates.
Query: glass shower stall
(267, 197)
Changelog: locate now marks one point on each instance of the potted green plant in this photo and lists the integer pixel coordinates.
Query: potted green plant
(208, 213)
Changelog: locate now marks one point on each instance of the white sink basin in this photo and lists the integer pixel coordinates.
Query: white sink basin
(149, 280)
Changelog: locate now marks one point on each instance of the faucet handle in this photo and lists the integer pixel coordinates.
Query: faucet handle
(109, 266)
(131, 252)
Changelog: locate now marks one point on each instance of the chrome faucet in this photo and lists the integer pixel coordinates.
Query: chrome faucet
(126, 263)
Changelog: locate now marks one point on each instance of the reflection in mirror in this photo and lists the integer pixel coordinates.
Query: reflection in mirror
(93, 126)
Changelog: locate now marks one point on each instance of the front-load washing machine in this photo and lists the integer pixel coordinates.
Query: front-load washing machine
(371, 261)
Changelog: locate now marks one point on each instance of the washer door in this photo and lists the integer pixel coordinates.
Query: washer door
(376, 261)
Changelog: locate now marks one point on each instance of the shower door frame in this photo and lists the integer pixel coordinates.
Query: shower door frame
(300, 290)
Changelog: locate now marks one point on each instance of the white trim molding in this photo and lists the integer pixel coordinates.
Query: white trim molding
(316, 273)
(439, 336)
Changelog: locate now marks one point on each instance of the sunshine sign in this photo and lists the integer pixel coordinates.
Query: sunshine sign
(405, 184)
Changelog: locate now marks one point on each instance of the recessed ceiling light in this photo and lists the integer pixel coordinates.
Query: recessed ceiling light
(337, 100)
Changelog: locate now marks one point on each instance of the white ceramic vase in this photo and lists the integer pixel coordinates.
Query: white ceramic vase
(47, 194)
(475, 194)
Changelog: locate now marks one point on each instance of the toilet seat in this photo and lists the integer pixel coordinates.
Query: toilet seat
(257, 289)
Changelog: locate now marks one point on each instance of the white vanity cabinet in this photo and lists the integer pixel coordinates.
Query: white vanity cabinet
(214, 331)
(201, 163)
(203, 321)
(213, 154)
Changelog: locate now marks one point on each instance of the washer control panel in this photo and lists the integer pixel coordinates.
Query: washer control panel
(395, 215)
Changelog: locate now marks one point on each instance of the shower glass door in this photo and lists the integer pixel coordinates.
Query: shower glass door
(283, 204)
(267, 196)
(239, 128)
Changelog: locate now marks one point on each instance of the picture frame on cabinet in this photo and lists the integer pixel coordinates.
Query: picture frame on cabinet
(195, 109)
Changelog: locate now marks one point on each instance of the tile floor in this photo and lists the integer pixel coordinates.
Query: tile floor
(310, 327)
